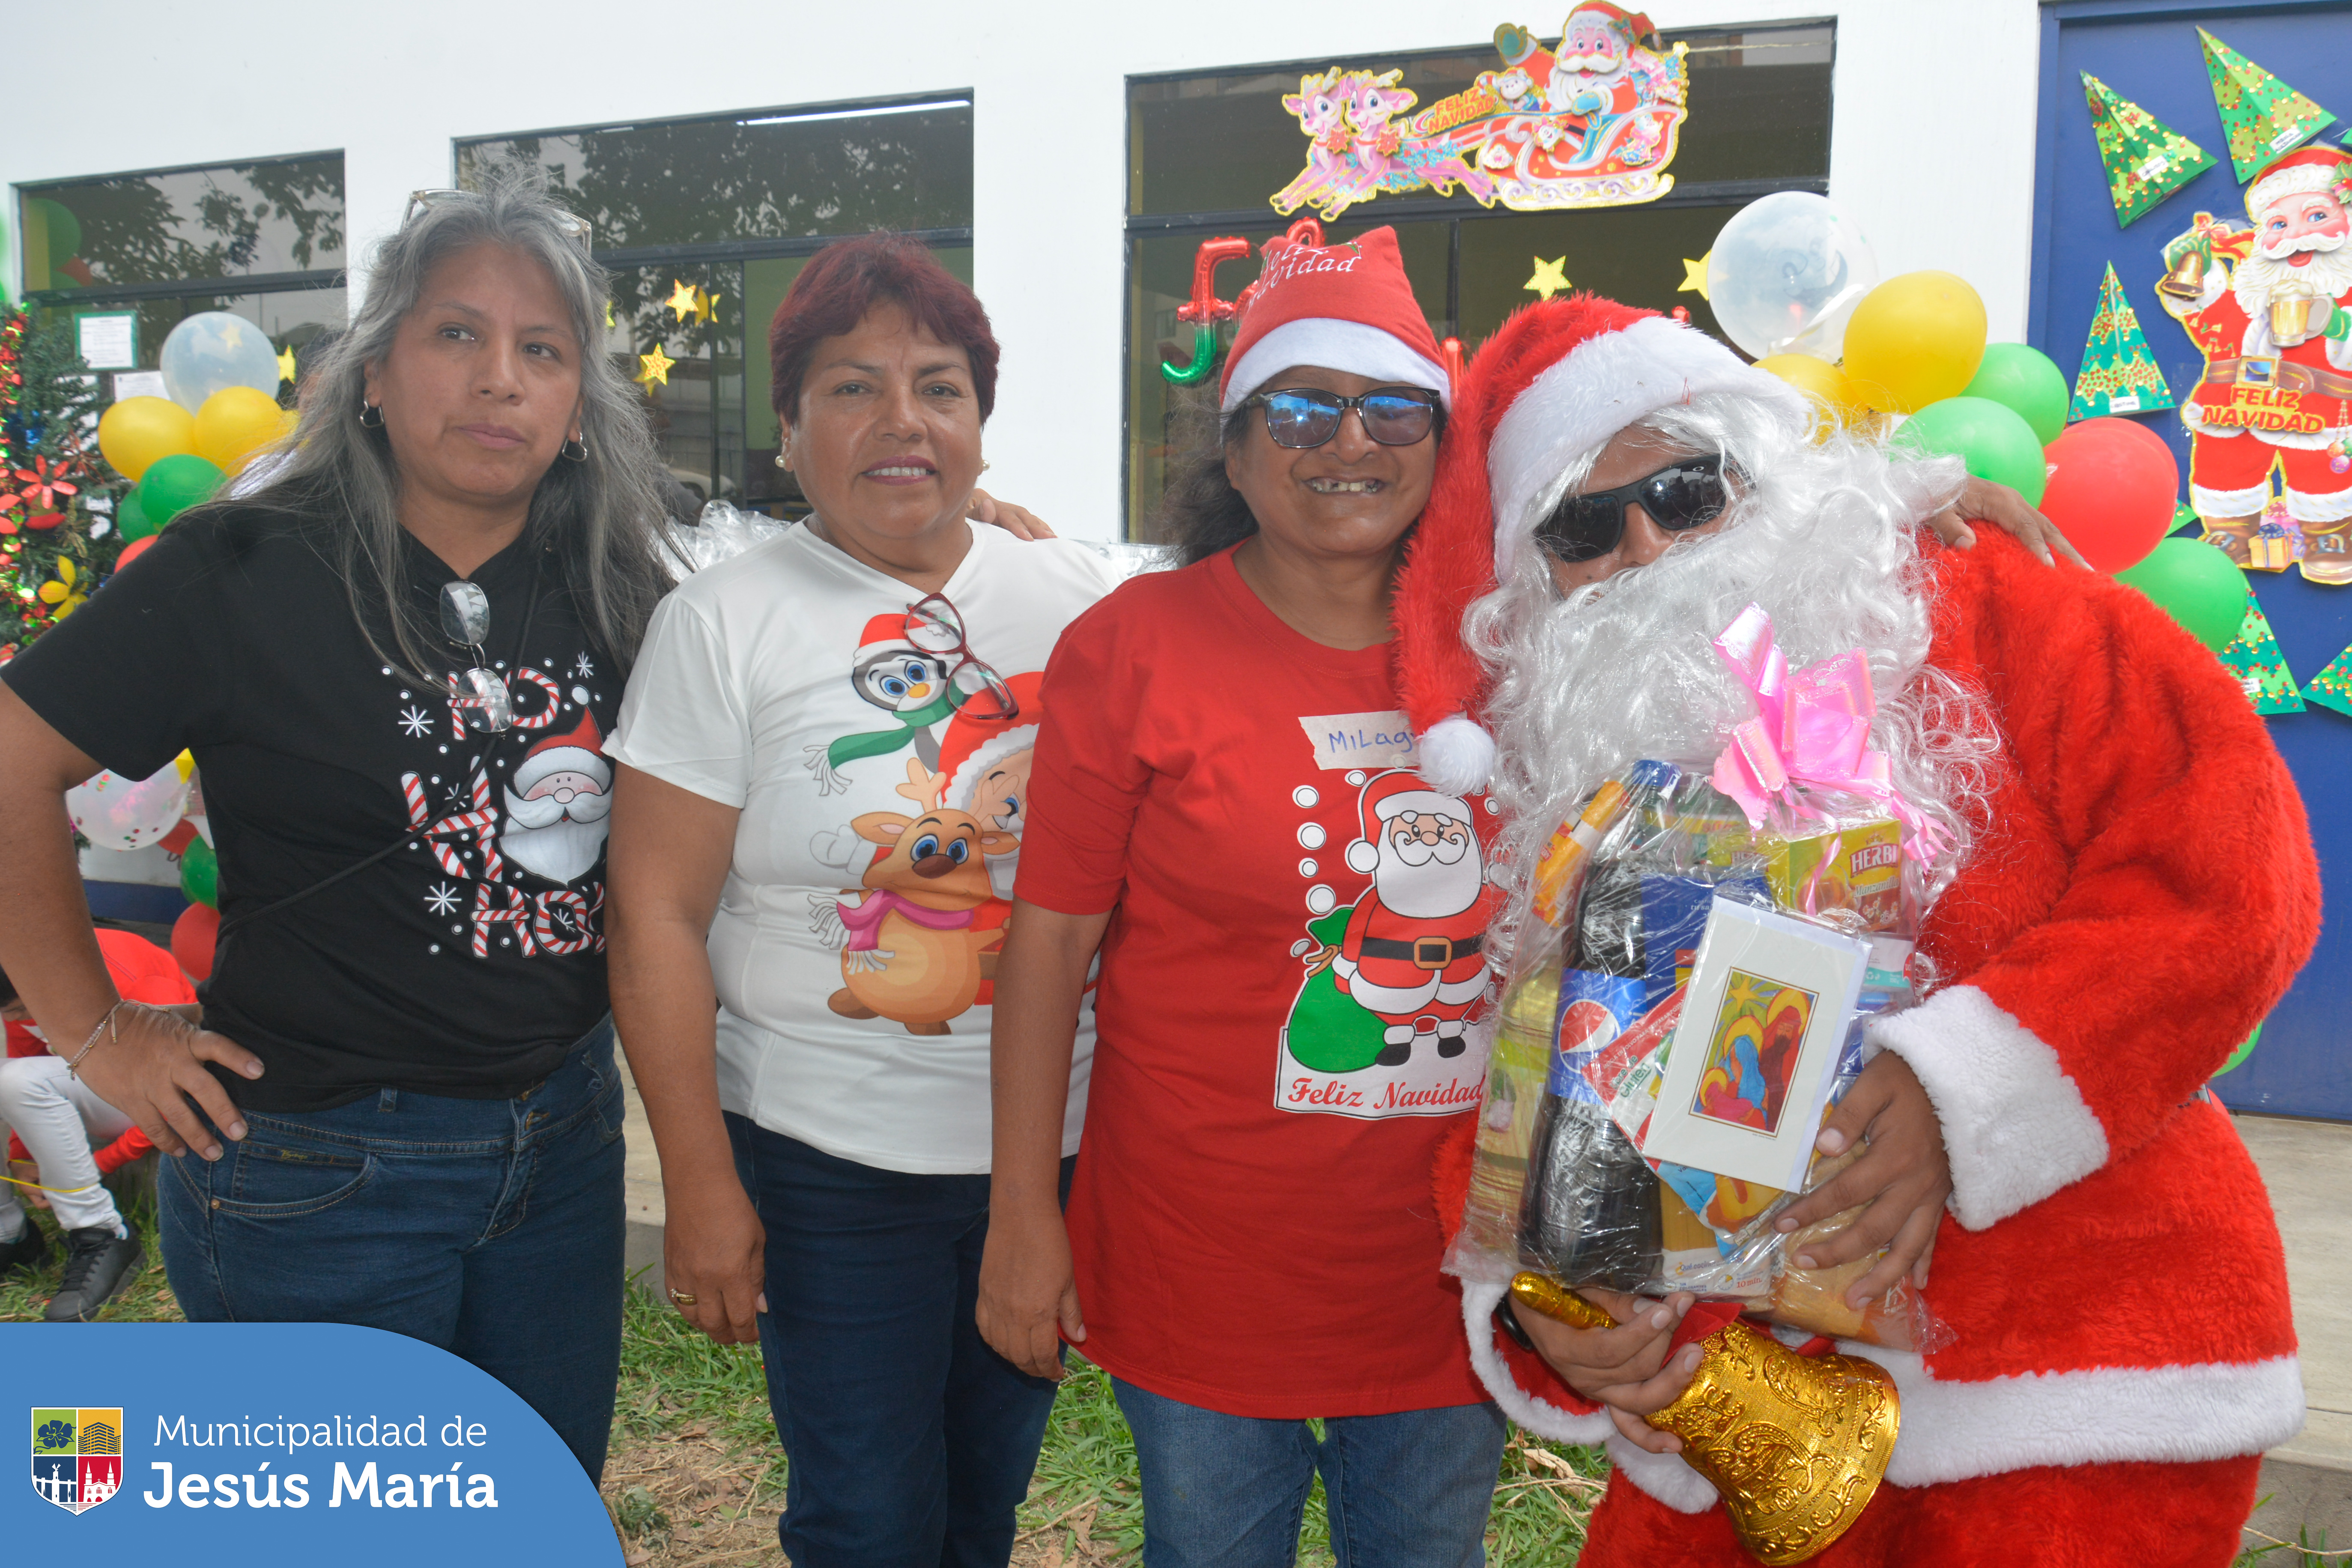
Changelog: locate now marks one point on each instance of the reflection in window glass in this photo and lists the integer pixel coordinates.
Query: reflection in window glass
(284, 216)
(769, 176)
(304, 320)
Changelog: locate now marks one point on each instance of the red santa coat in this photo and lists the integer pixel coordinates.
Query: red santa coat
(2271, 401)
(2147, 890)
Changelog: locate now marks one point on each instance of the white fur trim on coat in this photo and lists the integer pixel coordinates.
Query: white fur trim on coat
(1540, 1417)
(1597, 389)
(1456, 756)
(2015, 1126)
(1334, 345)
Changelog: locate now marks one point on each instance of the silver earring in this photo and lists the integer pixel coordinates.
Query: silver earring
(371, 416)
(577, 449)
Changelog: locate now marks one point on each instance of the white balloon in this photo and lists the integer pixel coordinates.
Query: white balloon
(116, 812)
(1786, 272)
(213, 350)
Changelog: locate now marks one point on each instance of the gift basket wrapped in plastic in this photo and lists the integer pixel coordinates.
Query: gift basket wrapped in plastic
(1710, 939)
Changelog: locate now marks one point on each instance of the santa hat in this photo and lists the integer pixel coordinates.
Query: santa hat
(972, 746)
(882, 631)
(1553, 385)
(576, 752)
(1389, 794)
(1342, 307)
(2317, 167)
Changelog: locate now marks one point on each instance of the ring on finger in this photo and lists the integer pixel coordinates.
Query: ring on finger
(682, 1298)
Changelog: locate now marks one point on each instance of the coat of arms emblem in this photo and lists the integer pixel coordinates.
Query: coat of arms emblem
(77, 1457)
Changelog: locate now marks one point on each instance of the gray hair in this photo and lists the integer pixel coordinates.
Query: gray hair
(603, 518)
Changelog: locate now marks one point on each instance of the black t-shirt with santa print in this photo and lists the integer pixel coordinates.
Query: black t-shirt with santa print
(464, 963)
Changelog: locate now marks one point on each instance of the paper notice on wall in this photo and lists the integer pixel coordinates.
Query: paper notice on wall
(108, 340)
(139, 384)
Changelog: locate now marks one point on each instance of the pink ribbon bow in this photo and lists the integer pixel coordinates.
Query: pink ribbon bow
(1811, 729)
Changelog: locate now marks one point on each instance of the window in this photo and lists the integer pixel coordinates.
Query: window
(263, 240)
(1206, 151)
(719, 215)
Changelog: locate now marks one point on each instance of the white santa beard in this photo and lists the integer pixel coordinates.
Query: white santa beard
(2257, 278)
(1431, 889)
(560, 851)
(544, 809)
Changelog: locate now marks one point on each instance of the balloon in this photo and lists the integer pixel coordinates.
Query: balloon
(1995, 442)
(1915, 340)
(212, 350)
(132, 552)
(200, 875)
(1786, 272)
(193, 935)
(1819, 379)
(2196, 585)
(2023, 379)
(2245, 1049)
(64, 230)
(235, 422)
(132, 522)
(116, 812)
(137, 431)
(173, 485)
(2112, 491)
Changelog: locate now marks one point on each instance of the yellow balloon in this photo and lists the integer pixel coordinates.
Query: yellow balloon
(1915, 340)
(235, 421)
(1820, 380)
(138, 431)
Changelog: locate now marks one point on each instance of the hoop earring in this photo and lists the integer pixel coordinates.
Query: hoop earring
(575, 449)
(371, 415)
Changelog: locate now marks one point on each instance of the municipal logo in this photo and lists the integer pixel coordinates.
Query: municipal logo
(77, 1457)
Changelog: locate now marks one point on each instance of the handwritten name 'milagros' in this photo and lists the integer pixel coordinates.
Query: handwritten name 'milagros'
(264, 1488)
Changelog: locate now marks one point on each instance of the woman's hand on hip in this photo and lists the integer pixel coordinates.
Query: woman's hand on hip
(150, 1063)
(714, 1259)
(1028, 1290)
(1625, 1368)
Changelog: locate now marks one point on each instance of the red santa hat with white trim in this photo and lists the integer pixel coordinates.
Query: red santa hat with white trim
(1392, 794)
(577, 752)
(1343, 307)
(2304, 172)
(1553, 385)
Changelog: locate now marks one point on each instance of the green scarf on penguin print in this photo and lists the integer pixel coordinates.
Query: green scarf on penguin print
(913, 727)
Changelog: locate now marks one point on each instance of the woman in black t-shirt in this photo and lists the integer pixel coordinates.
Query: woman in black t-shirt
(395, 664)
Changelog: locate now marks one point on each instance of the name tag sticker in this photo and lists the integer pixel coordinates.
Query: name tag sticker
(2124, 403)
(1368, 741)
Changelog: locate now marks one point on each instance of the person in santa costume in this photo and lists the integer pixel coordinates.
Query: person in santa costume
(2123, 1350)
(2271, 313)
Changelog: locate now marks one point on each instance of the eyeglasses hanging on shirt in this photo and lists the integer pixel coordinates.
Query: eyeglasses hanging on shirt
(934, 626)
(479, 692)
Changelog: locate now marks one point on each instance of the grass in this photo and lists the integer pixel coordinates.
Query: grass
(147, 1299)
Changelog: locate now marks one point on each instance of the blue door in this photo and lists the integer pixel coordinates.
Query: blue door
(2147, 52)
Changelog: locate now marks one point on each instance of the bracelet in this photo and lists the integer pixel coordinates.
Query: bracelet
(105, 1026)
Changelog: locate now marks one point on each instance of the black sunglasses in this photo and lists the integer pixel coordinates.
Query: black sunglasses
(1687, 493)
(1306, 416)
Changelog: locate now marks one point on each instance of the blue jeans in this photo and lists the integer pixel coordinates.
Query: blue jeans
(489, 1227)
(911, 1442)
(1407, 1490)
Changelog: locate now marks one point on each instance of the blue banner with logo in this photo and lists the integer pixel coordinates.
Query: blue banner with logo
(232, 1442)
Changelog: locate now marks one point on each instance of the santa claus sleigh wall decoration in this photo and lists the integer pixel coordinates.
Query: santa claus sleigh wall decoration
(1591, 121)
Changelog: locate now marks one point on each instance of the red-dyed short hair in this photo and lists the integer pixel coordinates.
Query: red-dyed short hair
(846, 280)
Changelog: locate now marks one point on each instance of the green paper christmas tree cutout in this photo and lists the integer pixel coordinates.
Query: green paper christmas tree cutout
(2261, 115)
(2146, 159)
(2332, 686)
(2254, 657)
(2118, 373)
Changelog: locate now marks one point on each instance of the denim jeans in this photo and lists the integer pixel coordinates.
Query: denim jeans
(909, 1442)
(489, 1227)
(1407, 1490)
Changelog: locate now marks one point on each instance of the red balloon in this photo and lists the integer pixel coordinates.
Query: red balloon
(132, 552)
(2114, 488)
(191, 941)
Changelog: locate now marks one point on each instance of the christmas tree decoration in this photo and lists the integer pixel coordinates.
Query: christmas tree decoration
(1551, 278)
(653, 367)
(2119, 374)
(48, 561)
(2332, 686)
(1694, 276)
(2146, 159)
(2261, 115)
(2254, 657)
(680, 303)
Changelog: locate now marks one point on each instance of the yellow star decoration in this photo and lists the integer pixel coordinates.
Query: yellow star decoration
(705, 306)
(608, 313)
(681, 298)
(1551, 277)
(1694, 278)
(653, 367)
(286, 363)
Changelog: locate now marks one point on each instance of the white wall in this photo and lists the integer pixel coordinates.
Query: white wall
(1932, 150)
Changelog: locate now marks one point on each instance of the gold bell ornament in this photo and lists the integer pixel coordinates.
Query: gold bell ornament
(1795, 1445)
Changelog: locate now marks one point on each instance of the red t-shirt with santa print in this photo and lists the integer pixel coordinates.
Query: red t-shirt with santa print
(1290, 1017)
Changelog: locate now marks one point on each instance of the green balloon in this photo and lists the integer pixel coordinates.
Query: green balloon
(63, 229)
(173, 484)
(2243, 1051)
(2194, 584)
(2023, 381)
(1994, 440)
(200, 874)
(132, 522)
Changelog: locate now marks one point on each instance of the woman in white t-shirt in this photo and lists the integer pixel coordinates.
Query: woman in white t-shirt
(824, 761)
